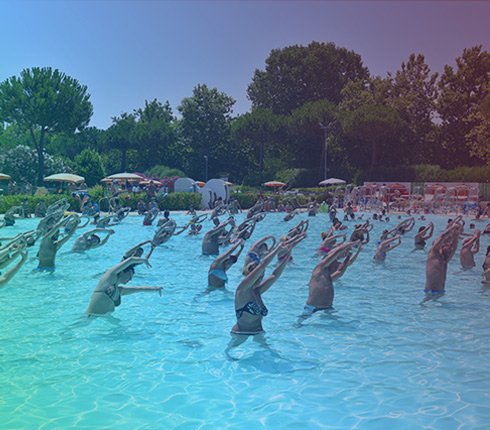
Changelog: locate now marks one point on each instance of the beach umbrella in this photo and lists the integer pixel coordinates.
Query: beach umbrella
(65, 177)
(274, 184)
(332, 181)
(148, 182)
(4, 176)
(123, 177)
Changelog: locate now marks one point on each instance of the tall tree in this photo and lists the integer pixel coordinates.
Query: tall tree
(43, 100)
(156, 134)
(296, 75)
(314, 123)
(259, 134)
(413, 93)
(121, 136)
(205, 130)
(461, 94)
(373, 125)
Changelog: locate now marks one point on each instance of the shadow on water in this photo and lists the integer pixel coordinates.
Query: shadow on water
(264, 359)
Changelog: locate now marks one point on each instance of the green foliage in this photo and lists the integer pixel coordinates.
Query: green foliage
(296, 75)
(156, 135)
(44, 100)
(423, 173)
(246, 200)
(89, 165)
(179, 201)
(121, 136)
(6, 202)
(461, 94)
(164, 172)
(21, 163)
(205, 131)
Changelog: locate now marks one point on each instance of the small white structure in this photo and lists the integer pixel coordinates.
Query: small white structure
(186, 185)
(213, 190)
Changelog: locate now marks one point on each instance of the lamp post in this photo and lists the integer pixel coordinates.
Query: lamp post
(206, 158)
(326, 128)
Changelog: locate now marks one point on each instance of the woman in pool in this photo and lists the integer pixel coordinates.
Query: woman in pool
(424, 234)
(258, 251)
(249, 307)
(385, 246)
(107, 295)
(329, 242)
(217, 276)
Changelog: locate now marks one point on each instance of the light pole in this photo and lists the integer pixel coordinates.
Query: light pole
(325, 128)
(206, 158)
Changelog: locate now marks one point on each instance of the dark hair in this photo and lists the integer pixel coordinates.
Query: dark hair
(421, 228)
(233, 258)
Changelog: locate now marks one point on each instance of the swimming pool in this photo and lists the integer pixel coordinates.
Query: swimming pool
(378, 360)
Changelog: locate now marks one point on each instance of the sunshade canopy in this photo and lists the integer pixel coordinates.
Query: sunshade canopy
(65, 177)
(123, 177)
(332, 181)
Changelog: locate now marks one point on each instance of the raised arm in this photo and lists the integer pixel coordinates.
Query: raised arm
(10, 274)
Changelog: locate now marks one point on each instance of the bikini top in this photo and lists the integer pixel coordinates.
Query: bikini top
(253, 308)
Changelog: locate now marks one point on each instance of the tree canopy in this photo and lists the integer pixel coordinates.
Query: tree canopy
(297, 74)
(43, 100)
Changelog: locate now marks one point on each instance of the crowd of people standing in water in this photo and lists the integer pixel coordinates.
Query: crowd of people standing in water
(226, 241)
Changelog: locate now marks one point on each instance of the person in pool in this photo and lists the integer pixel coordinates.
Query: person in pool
(18, 250)
(216, 236)
(249, 307)
(405, 226)
(258, 251)
(90, 240)
(217, 276)
(469, 248)
(424, 234)
(329, 242)
(138, 250)
(321, 290)
(164, 233)
(385, 246)
(441, 252)
(486, 268)
(51, 241)
(108, 292)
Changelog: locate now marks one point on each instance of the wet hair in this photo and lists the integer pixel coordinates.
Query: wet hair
(233, 258)
(421, 228)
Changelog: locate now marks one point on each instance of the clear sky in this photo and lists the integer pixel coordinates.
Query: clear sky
(127, 52)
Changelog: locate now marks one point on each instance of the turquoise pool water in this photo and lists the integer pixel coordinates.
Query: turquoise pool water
(379, 360)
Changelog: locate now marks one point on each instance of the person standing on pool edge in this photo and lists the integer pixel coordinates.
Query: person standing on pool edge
(441, 252)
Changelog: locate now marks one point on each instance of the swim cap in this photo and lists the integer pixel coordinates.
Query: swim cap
(250, 268)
